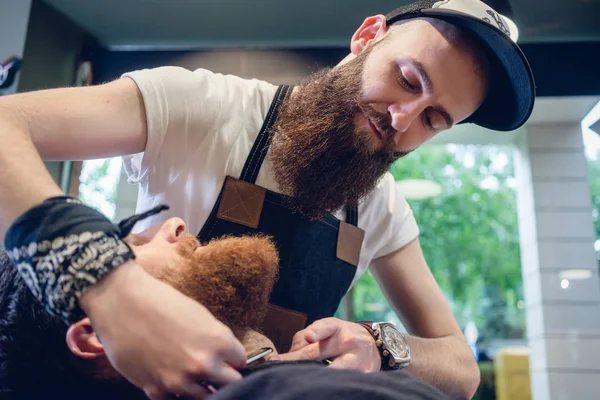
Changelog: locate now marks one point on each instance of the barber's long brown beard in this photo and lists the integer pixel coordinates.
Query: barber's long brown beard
(232, 277)
(319, 158)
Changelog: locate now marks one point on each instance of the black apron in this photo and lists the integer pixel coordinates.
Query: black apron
(318, 259)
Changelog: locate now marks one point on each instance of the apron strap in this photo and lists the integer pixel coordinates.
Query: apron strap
(262, 142)
(352, 216)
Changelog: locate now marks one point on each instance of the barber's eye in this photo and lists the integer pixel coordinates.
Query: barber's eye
(406, 83)
(427, 119)
(434, 120)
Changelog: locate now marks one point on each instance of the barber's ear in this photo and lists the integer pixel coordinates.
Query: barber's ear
(373, 28)
(172, 229)
(82, 340)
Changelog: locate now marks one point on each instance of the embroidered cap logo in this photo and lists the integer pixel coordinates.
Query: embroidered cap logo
(503, 27)
(479, 9)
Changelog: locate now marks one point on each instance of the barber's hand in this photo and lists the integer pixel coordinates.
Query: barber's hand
(348, 344)
(160, 340)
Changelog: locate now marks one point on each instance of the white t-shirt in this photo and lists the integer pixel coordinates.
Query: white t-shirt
(201, 128)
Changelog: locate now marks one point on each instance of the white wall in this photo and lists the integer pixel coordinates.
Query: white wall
(14, 18)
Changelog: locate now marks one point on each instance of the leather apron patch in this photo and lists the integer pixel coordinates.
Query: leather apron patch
(350, 239)
(280, 325)
(242, 202)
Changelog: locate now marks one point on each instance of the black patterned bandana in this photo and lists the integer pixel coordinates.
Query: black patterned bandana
(61, 247)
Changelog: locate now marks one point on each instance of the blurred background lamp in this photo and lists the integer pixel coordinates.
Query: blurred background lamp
(374, 307)
(418, 189)
(575, 274)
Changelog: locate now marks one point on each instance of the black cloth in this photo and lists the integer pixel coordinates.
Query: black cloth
(265, 365)
(312, 380)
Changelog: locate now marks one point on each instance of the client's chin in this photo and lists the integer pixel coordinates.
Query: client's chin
(254, 341)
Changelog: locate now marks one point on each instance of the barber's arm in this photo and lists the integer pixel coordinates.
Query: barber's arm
(439, 353)
(156, 337)
(61, 124)
(76, 123)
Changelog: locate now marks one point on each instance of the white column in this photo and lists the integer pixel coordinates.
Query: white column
(126, 198)
(14, 19)
(556, 234)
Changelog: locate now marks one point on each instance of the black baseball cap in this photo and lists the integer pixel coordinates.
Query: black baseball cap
(511, 95)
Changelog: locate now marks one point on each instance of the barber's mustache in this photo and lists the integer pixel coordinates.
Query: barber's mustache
(382, 121)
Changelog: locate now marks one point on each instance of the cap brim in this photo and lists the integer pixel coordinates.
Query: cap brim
(511, 94)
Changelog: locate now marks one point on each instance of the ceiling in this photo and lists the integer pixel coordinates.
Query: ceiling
(569, 27)
(168, 24)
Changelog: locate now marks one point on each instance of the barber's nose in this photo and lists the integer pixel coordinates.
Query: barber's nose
(404, 115)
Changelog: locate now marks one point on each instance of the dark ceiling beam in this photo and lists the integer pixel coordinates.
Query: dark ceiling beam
(565, 69)
(559, 69)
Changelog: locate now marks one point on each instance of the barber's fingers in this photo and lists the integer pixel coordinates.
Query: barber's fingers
(349, 361)
(315, 332)
(324, 328)
(328, 348)
(194, 388)
(223, 374)
(299, 340)
(215, 373)
(234, 354)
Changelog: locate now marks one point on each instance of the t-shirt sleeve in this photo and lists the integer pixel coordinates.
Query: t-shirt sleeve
(181, 107)
(399, 226)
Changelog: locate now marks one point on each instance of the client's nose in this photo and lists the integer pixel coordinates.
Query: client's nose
(173, 229)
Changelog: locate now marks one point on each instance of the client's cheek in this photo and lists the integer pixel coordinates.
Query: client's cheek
(153, 264)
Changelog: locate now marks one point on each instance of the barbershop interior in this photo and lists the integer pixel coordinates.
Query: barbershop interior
(508, 219)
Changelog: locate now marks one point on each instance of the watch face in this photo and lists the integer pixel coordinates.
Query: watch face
(394, 342)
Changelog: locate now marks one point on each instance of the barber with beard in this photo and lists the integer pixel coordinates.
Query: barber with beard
(306, 165)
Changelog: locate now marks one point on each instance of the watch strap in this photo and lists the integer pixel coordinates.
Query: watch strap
(368, 325)
(376, 334)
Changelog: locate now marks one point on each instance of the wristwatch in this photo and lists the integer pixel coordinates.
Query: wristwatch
(391, 343)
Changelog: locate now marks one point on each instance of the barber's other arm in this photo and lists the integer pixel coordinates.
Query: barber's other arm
(440, 354)
(160, 340)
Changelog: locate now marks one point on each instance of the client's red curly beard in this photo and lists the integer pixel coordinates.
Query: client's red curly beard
(231, 276)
